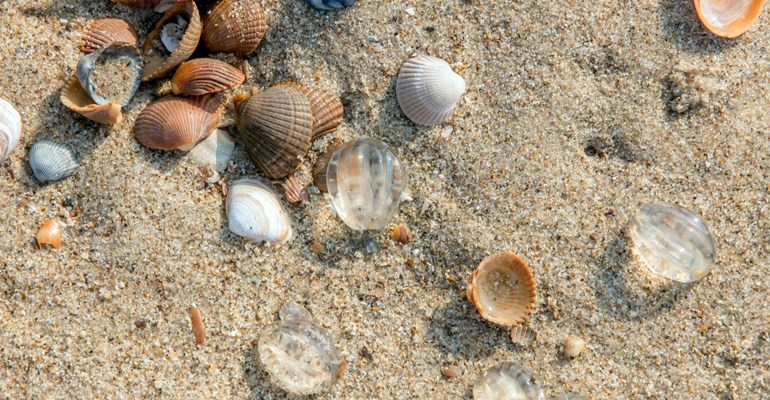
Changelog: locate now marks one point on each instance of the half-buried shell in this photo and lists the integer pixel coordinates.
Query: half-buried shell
(728, 18)
(51, 161)
(235, 27)
(159, 62)
(428, 90)
(177, 123)
(503, 289)
(106, 31)
(205, 76)
(111, 74)
(10, 129)
(255, 213)
(327, 110)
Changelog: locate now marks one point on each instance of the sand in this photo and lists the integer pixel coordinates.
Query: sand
(576, 114)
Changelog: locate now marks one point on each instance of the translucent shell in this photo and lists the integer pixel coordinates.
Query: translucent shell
(159, 64)
(365, 181)
(327, 110)
(74, 97)
(235, 27)
(330, 5)
(728, 18)
(106, 31)
(111, 74)
(51, 161)
(255, 213)
(205, 76)
(177, 123)
(672, 242)
(428, 90)
(503, 289)
(276, 129)
(507, 381)
(49, 234)
(10, 129)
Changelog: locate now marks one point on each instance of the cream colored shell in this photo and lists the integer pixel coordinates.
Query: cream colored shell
(255, 213)
(428, 90)
(10, 129)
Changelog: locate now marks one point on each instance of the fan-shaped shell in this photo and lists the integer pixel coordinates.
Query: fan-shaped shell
(204, 76)
(728, 18)
(503, 289)
(428, 90)
(276, 129)
(235, 27)
(255, 213)
(111, 73)
(159, 64)
(106, 31)
(214, 151)
(51, 161)
(177, 123)
(74, 97)
(327, 110)
(10, 129)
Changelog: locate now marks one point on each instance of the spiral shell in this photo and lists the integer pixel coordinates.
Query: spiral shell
(327, 110)
(276, 128)
(177, 123)
(107, 83)
(205, 76)
(10, 129)
(159, 64)
(74, 97)
(51, 161)
(428, 90)
(255, 213)
(235, 27)
(503, 289)
(106, 31)
(728, 18)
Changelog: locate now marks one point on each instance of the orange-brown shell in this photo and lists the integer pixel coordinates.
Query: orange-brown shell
(402, 234)
(503, 289)
(728, 18)
(235, 27)
(177, 123)
(49, 234)
(159, 64)
(205, 76)
(276, 128)
(74, 97)
(106, 31)
(327, 109)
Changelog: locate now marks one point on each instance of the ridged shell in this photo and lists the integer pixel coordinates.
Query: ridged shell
(327, 110)
(89, 64)
(330, 5)
(177, 123)
(51, 161)
(319, 169)
(106, 31)
(10, 129)
(74, 97)
(728, 18)
(215, 151)
(235, 27)
(428, 90)
(159, 64)
(522, 335)
(255, 213)
(503, 289)
(276, 129)
(205, 76)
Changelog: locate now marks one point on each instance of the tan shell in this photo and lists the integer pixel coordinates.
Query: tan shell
(503, 289)
(160, 64)
(49, 234)
(402, 234)
(327, 109)
(728, 18)
(106, 31)
(235, 27)
(319, 170)
(74, 97)
(205, 76)
(177, 123)
(276, 129)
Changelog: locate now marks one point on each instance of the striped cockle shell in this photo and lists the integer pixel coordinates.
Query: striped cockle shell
(327, 110)
(158, 65)
(428, 90)
(90, 63)
(234, 26)
(728, 18)
(503, 289)
(276, 129)
(205, 76)
(51, 161)
(10, 129)
(106, 31)
(255, 213)
(74, 97)
(177, 123)
(214, 151)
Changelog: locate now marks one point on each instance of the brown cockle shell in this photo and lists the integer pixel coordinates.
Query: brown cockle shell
(276, 128)
(503, 289)
(327, 109)
(205, 76)
(728, 18)
(160, 64)
(321, 164)
(235, 27)
(106, 31)
(177, 123)
(74, 97)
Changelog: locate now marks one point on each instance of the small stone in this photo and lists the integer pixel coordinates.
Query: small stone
(449, 373)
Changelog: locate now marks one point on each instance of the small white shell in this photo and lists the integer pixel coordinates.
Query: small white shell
(10, 129)
(574, 346)
(215, 151)
(255, 213)
(428, 90)
(51, 161)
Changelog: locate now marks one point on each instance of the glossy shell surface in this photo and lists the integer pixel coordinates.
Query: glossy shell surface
(106, 31)
(74, 97)
(130, 72)
(235, 27)
(503, 289)
(159, 63)
(507, 381)
(728, 18)
(10, 129)
(49, 234)
(205, 76)
(177, 123)
(51, 161)
(428, 90)
(255, 213)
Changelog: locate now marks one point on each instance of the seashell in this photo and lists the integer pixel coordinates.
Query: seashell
(319, 170)
(503, 289)
(111, 74)
(215, 151)
(507, 381)
(49, 234)
(158, 62)
(74, 97)
(10, 129)
(330, 5)
(327, 110)
(293, 191)
(235, 27)
(571, 396)
(402, 234)
(276, 128)
(139, 3)
(197, 324)
(728, 18)
(106, 31)
(299, 354)
(51, 161)
(574, 346)
(365, 181)
(205, 76)
(523, 335)
(177, 123)
(255, 213)
(428, 90)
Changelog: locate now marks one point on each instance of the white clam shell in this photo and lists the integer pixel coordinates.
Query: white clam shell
(52, 161)
(255, 213)
(215, 151)
(10, 129)
(428, 90)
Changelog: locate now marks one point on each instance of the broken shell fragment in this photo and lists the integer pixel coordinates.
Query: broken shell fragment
(503, 289)
(507, 381)
(197, 325)
(111, 74)
(523, 335)
(74, 97)
(255, 213)
(10, 129)
(177, 123)
(293, 191)
(159, 62)
(728, 18)
(327, 110)
(235, 27)
(106, 31)
(428, 90)
(205, 76)
(573, 346)
(215, 151)
(51, 161)
(330, 5)
(49, 234)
